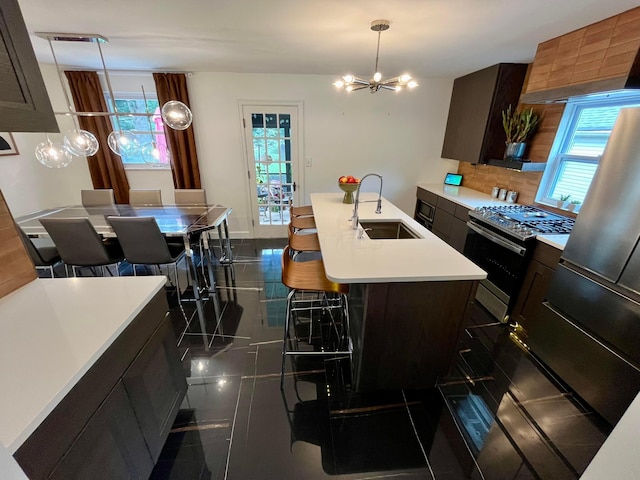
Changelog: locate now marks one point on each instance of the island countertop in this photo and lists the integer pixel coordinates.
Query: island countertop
(348, 259)
(53, 331)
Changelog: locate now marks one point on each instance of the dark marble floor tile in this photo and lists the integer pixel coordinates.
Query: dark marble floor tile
(236, 422)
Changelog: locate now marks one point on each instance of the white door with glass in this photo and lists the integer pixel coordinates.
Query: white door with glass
(271, 137)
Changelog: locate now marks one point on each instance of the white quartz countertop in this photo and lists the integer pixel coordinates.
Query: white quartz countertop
(348, 259)
(558, 241)
(51, 332)
(464, 196)
(472, 199)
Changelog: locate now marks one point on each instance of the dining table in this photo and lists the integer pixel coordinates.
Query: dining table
(189, 223)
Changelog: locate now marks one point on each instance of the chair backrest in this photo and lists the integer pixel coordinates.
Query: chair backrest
(145, 198)
(141, 240)
(32, 250)
(191, 196)
(77, 241)
(95, 198)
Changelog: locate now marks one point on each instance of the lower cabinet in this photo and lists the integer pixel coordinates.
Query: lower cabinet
(113, 424)
(110, 446)
(449, 222)
(534, 287)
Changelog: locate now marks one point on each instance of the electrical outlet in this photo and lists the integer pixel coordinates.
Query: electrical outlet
(308, 162)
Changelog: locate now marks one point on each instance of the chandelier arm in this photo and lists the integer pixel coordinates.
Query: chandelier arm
(388, 87)
(360, 87)
(359, 81)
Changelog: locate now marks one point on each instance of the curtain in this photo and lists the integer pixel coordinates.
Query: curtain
(182, 143)
(106, 168)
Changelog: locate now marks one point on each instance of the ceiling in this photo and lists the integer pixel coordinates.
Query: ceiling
(427, 38)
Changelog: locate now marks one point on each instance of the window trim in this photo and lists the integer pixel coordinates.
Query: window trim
(566, 128)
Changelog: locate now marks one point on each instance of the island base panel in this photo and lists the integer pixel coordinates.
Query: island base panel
(405, 334)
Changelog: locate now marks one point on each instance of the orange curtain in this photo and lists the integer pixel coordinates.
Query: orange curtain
(182, 143)
(106, 168)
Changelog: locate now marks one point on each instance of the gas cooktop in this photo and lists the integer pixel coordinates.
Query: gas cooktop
(523, 222)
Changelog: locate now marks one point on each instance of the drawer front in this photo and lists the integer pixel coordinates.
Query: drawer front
(427, 196)
(602, 378)
(446, 205)
(462, 213)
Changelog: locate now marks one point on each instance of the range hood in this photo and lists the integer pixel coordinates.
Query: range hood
(562, 94)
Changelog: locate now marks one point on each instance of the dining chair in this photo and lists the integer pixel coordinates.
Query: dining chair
(190, 196)
(96, 198)
(80, 245)
(42, 251)
(145, 198)
(143, 244)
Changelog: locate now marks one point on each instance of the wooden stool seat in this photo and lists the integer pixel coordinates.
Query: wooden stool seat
(302, 211)
(303, 242)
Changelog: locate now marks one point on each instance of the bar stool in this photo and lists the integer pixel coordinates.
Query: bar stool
(302, 211)
(305, 244)
(309, 278)
(303, 223)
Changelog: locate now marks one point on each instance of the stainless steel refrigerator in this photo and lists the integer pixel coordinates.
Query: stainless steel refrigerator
(588, 331)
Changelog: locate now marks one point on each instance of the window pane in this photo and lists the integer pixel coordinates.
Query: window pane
(574, 179)
(592, 130)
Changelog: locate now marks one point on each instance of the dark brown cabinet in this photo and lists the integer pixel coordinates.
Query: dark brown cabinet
(474, 130)
(450, 223)
(115, 420)
(534, 286)
(24, 102)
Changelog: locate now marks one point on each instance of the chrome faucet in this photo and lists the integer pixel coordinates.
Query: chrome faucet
(354, 219)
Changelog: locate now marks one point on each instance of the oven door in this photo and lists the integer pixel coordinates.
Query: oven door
(505, 262)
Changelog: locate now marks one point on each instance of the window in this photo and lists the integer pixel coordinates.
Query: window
(582, 136)
(147, 129)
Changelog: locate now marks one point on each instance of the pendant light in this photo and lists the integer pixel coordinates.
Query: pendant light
(175, 115)
(53, 154)
(77, 141)
(351, 83)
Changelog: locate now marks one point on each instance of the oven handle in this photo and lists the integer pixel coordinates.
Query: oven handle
(489, 235)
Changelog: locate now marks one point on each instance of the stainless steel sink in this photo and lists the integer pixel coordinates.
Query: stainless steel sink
(385, 230)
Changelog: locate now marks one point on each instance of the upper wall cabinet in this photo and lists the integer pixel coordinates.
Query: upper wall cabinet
(24, 103)
(474, 127)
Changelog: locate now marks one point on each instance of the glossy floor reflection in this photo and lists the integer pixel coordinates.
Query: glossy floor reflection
(236, 423)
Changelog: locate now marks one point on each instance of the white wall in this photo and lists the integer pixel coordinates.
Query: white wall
(396, 135)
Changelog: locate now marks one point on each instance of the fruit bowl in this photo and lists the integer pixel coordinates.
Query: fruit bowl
(348, 189)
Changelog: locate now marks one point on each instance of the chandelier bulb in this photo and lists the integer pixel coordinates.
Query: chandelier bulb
(339, 83)
(377, 77)
(412, 84)
(404, 78)
(349, 88)
(349, 79)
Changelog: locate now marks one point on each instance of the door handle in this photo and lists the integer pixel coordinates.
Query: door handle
(294, 186)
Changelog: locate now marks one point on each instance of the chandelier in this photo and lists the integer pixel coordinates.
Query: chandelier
(350, 82)
(77, 142)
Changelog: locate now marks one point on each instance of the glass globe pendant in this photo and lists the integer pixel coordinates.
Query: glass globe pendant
(53, 154)
(176, 115)
(122, 143)
(152, 153)
(81, 143)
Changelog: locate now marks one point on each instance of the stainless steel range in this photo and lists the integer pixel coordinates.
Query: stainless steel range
(522, 221)
(501, 240)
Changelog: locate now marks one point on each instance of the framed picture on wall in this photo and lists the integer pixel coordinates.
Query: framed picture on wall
(7, 144)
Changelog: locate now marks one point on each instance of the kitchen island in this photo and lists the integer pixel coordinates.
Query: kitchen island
(90, 374)
(408, 296)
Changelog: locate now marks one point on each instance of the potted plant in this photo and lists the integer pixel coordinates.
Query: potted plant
(563, 202)
(519, 126)
(574, 205)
